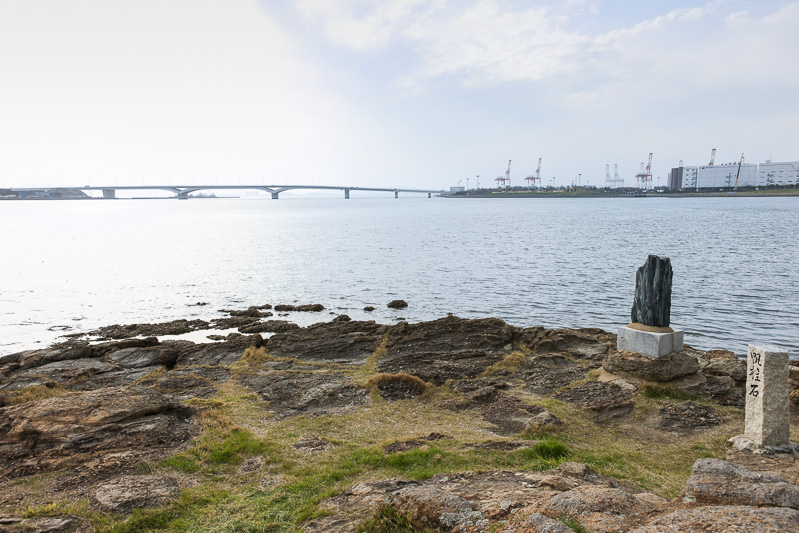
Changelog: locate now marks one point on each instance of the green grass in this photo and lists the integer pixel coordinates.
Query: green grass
(286, 487)
(658, 391)
(231, 449)
(387, 520)
(573, 524)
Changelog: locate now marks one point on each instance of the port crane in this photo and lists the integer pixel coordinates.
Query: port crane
(532, 179)
(504, 181)
(608, 181)
(644, 178)
(712, 158)
(616, 179)
(739, 173)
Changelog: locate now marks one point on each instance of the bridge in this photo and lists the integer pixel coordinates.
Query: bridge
(182, 192)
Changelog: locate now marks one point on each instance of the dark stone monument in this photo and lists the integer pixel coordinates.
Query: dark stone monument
(649, 333)
(652, 301)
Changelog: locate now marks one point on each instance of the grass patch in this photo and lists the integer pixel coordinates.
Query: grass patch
(34, 393)
(573, 524)
(388, 520)
(232, 448)
(287, 488)
(412, 383)
(627, 451)
(369, 368)
(56, 508)
(657, 391)
(549, 448)
(512, 362)
(251, 361)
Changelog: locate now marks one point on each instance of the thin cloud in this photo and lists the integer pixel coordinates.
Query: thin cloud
(490, 42)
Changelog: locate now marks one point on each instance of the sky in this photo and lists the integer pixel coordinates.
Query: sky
(395, 93)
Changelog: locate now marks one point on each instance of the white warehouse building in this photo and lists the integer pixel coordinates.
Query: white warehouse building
(724, 176)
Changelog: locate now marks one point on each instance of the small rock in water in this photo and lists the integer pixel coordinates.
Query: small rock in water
(369, 308)
(397, 304)
(652, 303)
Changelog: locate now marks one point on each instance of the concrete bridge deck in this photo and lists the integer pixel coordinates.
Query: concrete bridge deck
(182, 191)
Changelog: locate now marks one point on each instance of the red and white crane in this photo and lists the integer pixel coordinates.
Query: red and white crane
(644, 178)
(532, 179)
(504, 181)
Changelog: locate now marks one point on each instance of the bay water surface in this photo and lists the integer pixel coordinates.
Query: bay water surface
(74, 266)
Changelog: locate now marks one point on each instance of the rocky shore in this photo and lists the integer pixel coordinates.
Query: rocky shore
(449, 425)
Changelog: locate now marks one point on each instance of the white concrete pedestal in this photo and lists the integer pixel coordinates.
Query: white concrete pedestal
(648, 342)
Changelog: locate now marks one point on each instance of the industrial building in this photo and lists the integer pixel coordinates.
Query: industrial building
(724, 176)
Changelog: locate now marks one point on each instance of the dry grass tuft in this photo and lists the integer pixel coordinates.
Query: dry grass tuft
(412, 383)
(34, 394)
(512, 362)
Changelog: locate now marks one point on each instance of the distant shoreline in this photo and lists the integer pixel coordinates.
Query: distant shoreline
(578, 194)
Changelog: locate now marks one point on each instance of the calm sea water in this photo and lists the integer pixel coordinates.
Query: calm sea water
(73, 266)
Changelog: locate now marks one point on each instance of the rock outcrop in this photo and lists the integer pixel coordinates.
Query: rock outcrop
(100, 431)
(666, 368)
(95, 416)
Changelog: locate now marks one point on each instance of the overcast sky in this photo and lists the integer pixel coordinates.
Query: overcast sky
(395, 93)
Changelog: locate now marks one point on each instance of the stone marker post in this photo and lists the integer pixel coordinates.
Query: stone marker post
(767, 419)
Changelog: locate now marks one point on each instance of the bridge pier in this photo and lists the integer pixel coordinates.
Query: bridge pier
(429, 195)
(346, 194)
(396, 194)
(274, 196)
(109, 193)
(183, 196)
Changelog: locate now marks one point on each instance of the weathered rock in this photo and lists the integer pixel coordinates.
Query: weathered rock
(175, 327)
(188, 384)
(292, 393)
(687, 416)
(447, 348)
(51, 524)
(333, 342)
(720, 389)
(544, 420)
(398, 386)
(70, 350)
(724, 519)
(606, 400)
(303, 308)
(136, 492)
(734, 369)
(215, 353)
(108, 429)
(342, 318)
(234, 322)
(143, 357)
(510, 415)
(431, 507)
(252, 312)
(666, 368)
(598, 508)
(543, 524)
(652, 302)
(397, 304)
(457, 501)
(714, 481)
(577, 343)
(269, 326)
(546, 374)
